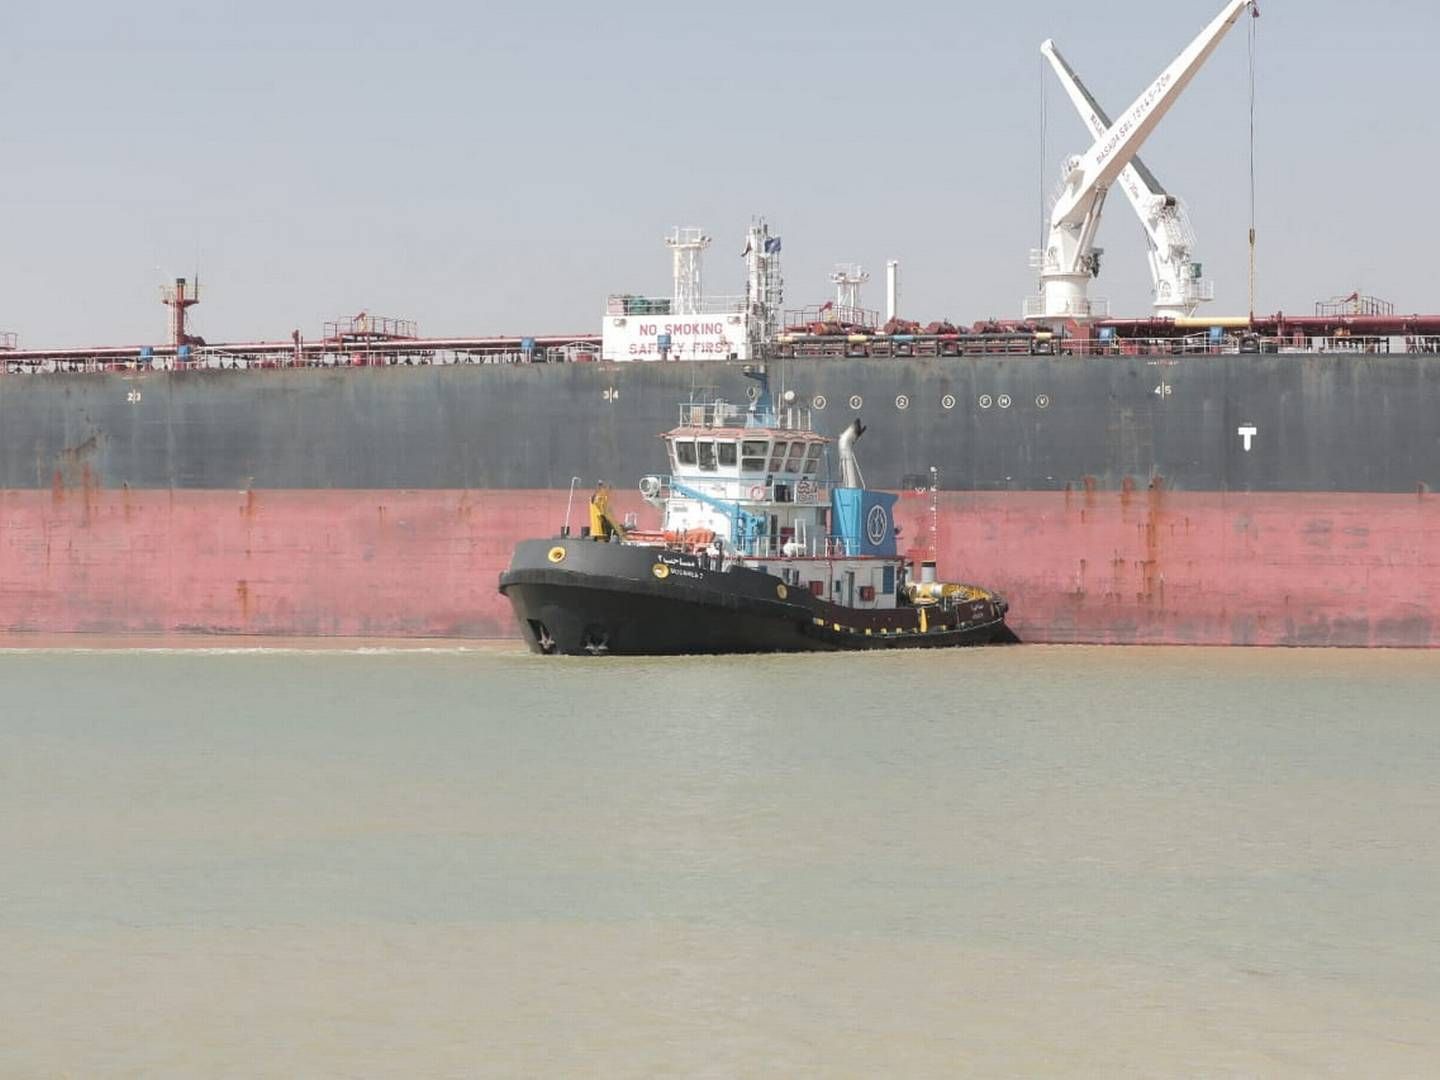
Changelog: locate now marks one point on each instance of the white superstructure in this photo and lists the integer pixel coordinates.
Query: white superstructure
(752, 485)
(688, 324)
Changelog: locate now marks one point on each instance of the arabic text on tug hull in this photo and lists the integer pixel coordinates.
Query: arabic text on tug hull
(1228, 499)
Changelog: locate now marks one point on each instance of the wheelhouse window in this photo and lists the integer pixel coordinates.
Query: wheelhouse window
(685, 452)
(705, 450)
(777, 456)
(725, 452)
(753, 454)
(812, 458)
(797, 455)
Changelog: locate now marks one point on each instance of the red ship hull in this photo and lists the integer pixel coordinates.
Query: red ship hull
(1097, 567)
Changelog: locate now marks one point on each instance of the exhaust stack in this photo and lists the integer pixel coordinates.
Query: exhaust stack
(850, 475)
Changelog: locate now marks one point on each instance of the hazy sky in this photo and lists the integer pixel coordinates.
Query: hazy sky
(487, 168)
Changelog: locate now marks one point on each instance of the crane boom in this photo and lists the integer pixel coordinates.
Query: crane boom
(1101, 165)
(1170, 240)
(1070, 260)
(1139, 182)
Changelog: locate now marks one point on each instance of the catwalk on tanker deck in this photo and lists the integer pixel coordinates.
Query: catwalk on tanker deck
(759, 552)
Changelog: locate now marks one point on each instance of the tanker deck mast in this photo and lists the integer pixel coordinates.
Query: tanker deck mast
(848, 278)
(1071, 259)
(180, 298)
(687, 244)
(1179, 287)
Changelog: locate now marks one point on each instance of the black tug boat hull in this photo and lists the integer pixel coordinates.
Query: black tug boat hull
(582, 598)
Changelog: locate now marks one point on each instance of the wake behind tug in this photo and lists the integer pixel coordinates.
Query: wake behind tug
(758, 553)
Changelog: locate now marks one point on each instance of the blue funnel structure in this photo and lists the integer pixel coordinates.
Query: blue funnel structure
(863, 521)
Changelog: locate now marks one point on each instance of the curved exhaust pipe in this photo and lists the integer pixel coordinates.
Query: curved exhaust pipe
(850, 475)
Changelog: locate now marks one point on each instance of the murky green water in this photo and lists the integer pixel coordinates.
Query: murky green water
(1029, 861)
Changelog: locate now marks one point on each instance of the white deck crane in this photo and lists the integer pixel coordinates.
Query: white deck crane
(1179, 284)
(1070, 260)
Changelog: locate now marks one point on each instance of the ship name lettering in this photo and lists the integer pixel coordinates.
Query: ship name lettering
(681, 566)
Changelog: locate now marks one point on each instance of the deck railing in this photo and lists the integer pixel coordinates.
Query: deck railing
(202, 358)
(665, 307)
(727, 414)
(963, 346)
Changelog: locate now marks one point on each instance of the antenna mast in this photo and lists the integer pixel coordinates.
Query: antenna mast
(764, 287)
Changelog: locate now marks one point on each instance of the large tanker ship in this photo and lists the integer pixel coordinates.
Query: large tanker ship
(1169, 479)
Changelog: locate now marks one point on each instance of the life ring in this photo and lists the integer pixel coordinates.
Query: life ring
(757, 493)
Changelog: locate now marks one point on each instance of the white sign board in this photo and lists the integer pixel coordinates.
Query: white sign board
(692, 337)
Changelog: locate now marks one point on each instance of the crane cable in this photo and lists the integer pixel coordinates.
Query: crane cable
(1255, 16)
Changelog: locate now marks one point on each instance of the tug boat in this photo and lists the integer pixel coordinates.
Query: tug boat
(759, 552)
